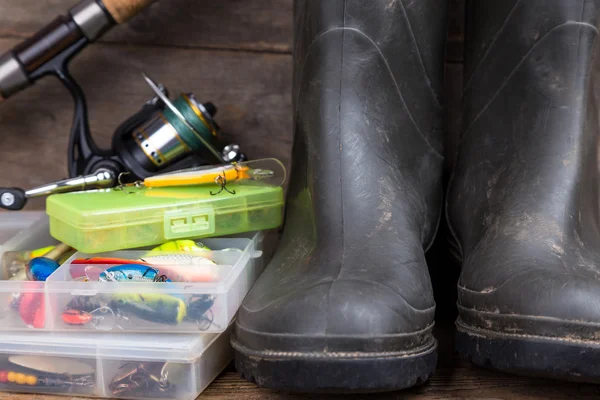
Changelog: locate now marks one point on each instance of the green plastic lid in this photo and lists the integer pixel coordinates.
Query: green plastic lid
(129, 217)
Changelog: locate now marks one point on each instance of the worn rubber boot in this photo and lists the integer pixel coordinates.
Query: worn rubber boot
(346, 303)
(524, 203)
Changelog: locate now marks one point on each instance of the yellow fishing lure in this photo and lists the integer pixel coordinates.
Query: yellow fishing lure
(270, 171)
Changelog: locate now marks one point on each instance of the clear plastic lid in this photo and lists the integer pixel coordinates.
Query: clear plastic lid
(151, 347)
(110, 208)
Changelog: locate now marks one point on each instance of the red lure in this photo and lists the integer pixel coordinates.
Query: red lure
(31, 309)
(76, 317)
(106, 261)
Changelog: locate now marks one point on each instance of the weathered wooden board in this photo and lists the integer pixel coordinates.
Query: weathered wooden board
(264, 25)
(460, 381)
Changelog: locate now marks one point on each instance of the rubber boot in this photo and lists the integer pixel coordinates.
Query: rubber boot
(346, 303)
(523, 203)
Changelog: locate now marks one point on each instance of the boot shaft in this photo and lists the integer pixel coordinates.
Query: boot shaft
(526, 161)
(368, 118)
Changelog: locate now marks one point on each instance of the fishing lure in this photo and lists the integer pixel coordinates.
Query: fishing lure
(106, 261)
(40, 268)
(52, 365)
(177, 259)
(21, 379)
(220, 175)
(185, 268)
(76, 317)
(132, 272)
(154, 307)
(177, 246)
(31, 308)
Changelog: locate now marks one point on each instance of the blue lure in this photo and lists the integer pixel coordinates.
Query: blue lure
(40, 268)
(132, 273)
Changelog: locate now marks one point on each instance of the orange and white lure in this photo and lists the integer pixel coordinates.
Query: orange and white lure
(268, 171)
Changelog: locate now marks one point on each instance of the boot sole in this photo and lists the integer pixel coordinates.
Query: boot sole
(530, 355)
(334, 372)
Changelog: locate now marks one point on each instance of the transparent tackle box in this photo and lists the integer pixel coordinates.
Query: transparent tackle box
(30, 231)
(206, 305)
(11, 223)
(137, 366)
(125, 218)
(72, 298)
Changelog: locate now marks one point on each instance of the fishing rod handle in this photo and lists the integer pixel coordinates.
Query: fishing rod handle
(123, 10)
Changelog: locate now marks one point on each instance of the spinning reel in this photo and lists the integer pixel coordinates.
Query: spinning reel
(163, 136)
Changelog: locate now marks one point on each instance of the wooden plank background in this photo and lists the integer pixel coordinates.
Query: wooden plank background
(236, 53)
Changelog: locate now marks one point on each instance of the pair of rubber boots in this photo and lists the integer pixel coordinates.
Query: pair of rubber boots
(346, 304)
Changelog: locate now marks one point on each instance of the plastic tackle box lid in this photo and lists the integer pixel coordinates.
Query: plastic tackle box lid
(11, 223)
(146, 347)
(110, 208)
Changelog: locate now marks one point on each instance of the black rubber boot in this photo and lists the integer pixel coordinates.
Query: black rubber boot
(524, 202)
(346, 304)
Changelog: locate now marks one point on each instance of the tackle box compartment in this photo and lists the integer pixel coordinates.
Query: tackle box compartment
(12, 223)
(33, 235)
(125, 218)
(176, 307)
(137, 366)
(27, 305)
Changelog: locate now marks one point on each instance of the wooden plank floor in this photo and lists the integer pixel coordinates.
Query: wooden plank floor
(236, 53)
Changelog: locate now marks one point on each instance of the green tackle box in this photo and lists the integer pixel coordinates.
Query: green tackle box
(129, 217)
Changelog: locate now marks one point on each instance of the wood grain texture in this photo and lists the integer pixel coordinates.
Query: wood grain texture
(251, 25)
(123, 10)
(251, 90)
(460, 381)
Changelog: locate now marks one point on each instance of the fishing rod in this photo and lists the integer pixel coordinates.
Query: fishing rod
(60, 40)
(165, 135)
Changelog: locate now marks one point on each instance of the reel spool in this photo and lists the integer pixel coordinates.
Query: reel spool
(162, 137)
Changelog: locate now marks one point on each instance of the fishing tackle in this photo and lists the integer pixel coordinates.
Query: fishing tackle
(132, 272)
(40, 268)
(163, 135)
(51, 365)
(182, 245)
(106, 261)
(133, 377)
(15, 262)
(176, 267)
(185, 268)
(31, 308)
(76, 317)
(198, 308)
(21, 379)
(270, 171)
(154, 307)
(177, 259)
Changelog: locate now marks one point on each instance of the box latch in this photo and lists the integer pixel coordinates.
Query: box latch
(182, 224)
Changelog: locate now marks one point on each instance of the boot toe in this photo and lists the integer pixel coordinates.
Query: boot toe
(550, 300)
(336, 315)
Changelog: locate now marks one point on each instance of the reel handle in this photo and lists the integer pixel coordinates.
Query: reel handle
(13, 199)
(123, 10)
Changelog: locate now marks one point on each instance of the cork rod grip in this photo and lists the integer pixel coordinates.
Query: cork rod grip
(123, 10)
